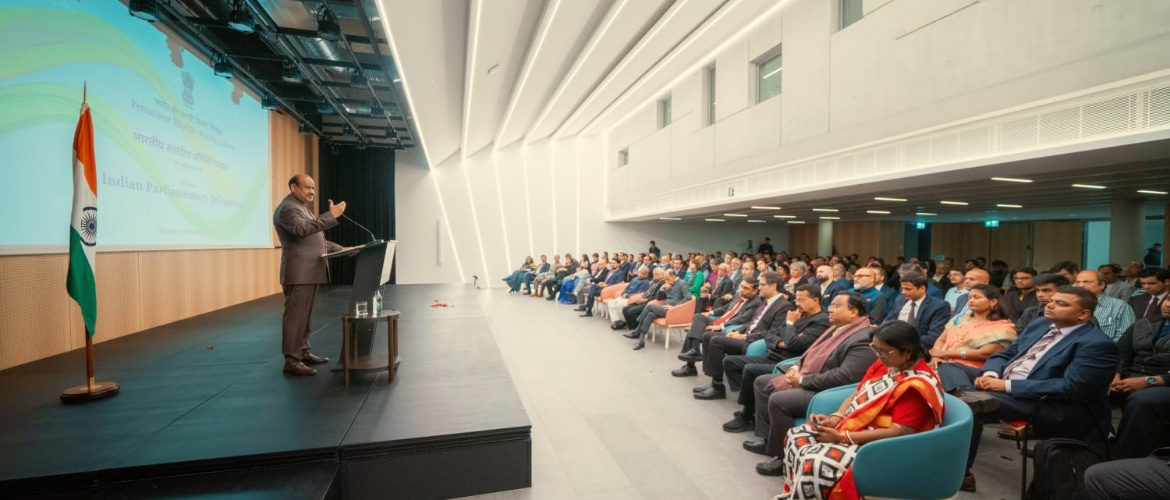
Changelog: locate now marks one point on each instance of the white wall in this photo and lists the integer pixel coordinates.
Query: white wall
(907, 66)
(491, 210)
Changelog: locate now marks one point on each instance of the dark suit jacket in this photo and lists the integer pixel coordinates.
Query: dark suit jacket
(745, 313)
(722, 287)
(615, 277)
(544, 267)
(1140, 303)
(798, 336)
(773, 317)
(1080, 366)
(302, 242)
(831, 291)
(930, 317)
(846, 365)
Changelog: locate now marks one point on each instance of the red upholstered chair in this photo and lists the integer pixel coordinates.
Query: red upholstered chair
(607, 295)
(678, 318)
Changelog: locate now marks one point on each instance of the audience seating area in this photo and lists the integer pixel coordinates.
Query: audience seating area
(1013, 310)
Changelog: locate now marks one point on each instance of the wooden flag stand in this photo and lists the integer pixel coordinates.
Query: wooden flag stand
(91, 391)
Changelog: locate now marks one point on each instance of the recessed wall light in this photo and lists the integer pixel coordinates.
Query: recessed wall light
(825, 210)
(784, 216)
(960, 203)
(925, 213)
(735, 215)
(878, 212)
(669, 218)
(1008, 205)
(883, 198)
(764, 207)
(713, 220)
(1088, 186)
(1011, 179)
(826, 217)
(796, 222)
(1147, 191)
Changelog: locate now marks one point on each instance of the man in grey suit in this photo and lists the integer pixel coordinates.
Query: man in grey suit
(302, 242)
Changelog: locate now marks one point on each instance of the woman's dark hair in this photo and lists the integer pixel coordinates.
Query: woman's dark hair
(999, 310)
(901, 336)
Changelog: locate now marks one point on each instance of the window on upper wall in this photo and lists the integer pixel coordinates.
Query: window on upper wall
(768, 75)
(710, 96)
(664, 112)
(623, 157)
(851, 12)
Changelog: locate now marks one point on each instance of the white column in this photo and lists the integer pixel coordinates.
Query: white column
(825, 238)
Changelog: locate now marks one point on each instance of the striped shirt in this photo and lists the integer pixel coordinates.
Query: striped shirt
(1113, 315)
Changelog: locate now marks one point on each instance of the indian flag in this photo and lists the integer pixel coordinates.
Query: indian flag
(83, 228)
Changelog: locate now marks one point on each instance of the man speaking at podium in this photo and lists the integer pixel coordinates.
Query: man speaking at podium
(302, 242)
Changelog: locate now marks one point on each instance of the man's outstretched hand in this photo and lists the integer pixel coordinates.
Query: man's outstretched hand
(337, 209)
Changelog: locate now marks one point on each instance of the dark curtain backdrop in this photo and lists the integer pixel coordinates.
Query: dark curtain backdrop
(364, 179)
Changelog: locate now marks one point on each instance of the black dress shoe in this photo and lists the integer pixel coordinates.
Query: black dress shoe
(701, 388)
(687, 370)
(968, 483)
(295, 367)
(641, 345)
(738, 424)
(773, 467)
(691, 356)
(549, 298)
(757, 446)
(631, 335)
(713, 392)
(588, 314)
(313, 359)
(579, 308)
(618, 325)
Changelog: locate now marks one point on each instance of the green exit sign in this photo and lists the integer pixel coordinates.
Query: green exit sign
(990, 223)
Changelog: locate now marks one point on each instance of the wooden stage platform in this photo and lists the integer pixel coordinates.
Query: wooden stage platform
(205, 411)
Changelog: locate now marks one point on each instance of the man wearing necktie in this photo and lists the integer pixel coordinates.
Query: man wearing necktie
(1067, 356)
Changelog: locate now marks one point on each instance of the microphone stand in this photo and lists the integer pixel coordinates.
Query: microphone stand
(373, 239)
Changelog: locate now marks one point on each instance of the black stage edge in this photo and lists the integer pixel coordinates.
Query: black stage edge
(206, 412)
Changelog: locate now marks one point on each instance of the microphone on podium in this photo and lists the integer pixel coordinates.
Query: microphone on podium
(373, 239)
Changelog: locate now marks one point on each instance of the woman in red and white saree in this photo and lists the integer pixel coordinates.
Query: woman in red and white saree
(899, 395)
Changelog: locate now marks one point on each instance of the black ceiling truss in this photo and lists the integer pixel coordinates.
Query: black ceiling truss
(339, 79)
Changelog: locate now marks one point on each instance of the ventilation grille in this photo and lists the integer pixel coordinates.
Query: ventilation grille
(1087, 118)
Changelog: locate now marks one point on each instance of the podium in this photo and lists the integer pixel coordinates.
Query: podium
(375, 260)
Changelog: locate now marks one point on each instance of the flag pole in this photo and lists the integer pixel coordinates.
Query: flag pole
(90, 391)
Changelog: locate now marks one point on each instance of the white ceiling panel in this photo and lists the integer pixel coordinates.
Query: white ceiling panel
(500, 31)
(623, 27)
(429, 42)
(670, 30)
(732, 22)
(565, 27)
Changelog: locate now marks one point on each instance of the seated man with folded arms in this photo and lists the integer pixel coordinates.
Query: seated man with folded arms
(637, 303)
(803, 326)
(1064, 355)
(840, 356)
(636, 288)
(674, 292)
(739, 312)
(769, 315)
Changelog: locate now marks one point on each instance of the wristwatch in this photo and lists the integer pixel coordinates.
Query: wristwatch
(1152, 381)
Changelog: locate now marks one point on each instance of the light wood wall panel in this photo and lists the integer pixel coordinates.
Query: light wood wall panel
(802, 238)
(1009, 243)
(119, 297)
(142, 290)
(860, 237)
(38, 316)
(891, 237)
(1057, 241)
(959, 240)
